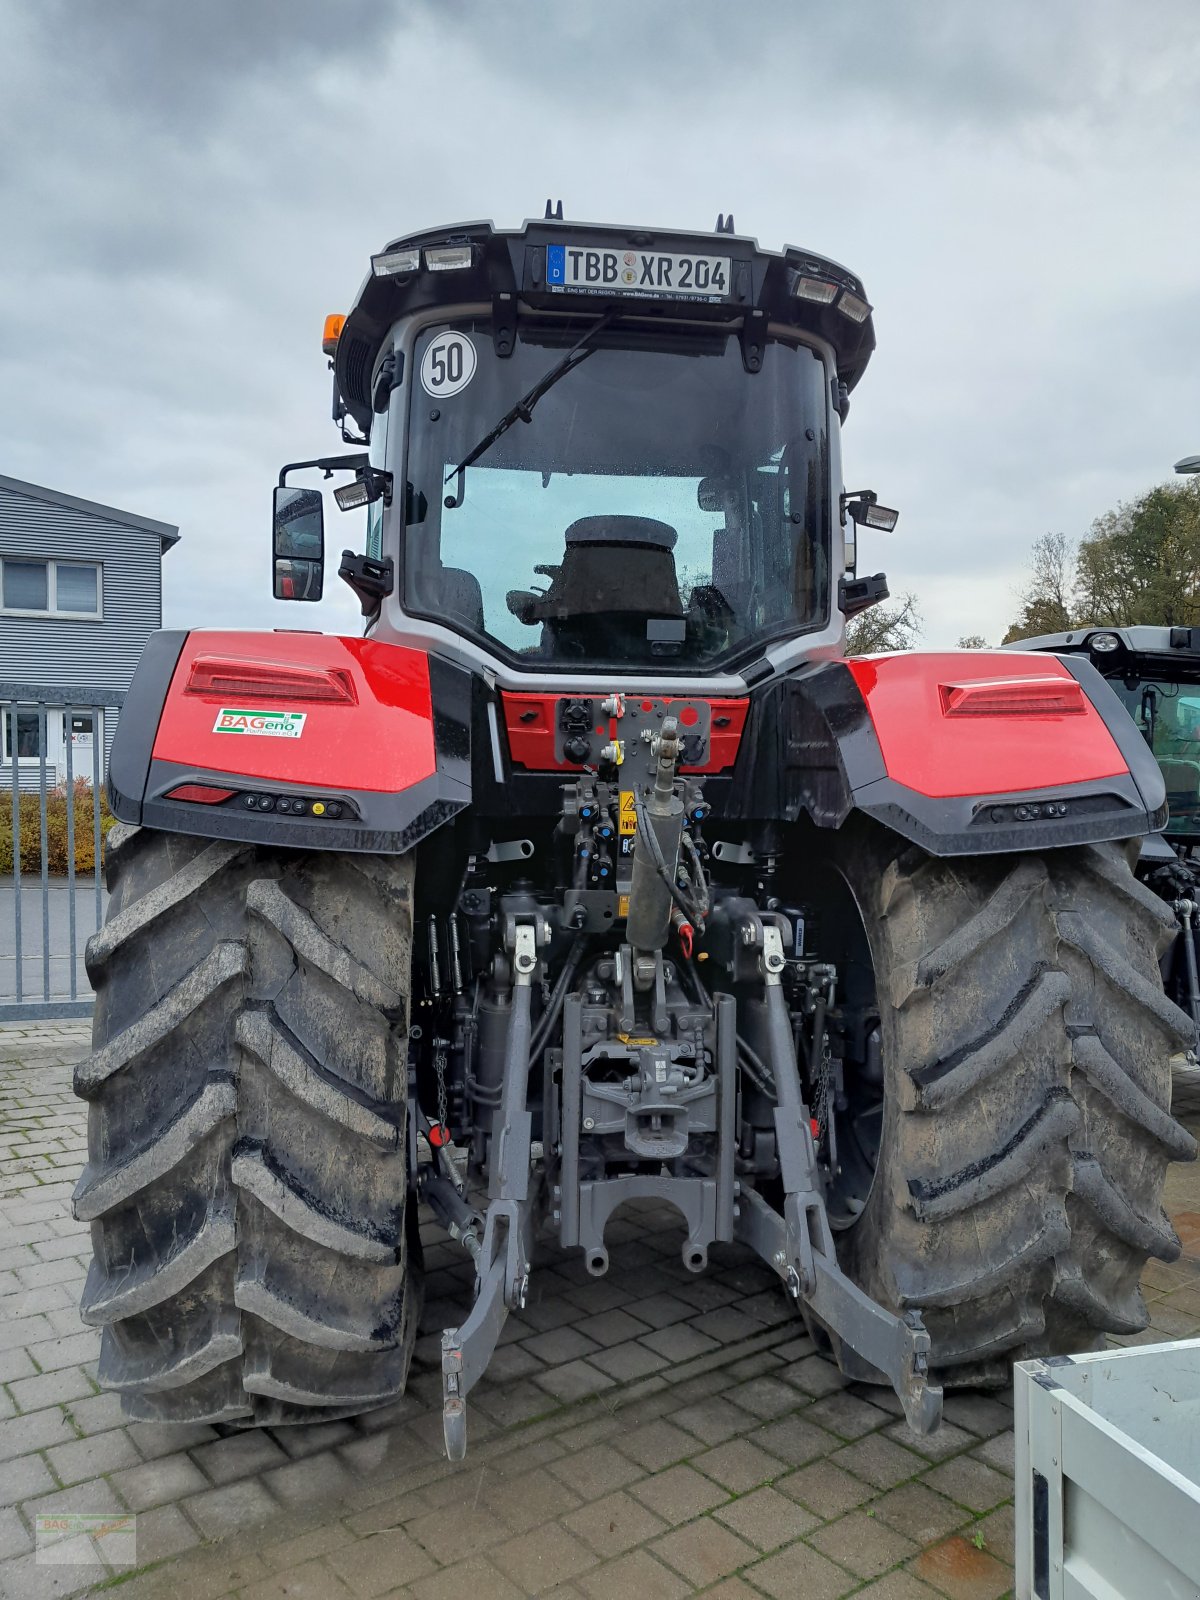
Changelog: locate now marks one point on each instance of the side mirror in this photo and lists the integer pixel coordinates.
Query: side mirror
(299, 544)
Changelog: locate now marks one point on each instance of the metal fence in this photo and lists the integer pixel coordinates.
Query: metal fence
(52, 762)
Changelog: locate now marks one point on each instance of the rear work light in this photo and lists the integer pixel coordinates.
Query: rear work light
(816, 290)
(231, 679)
(448, 258)
(1013, 697)
(852, 306)
(393, 262)
(203, 794)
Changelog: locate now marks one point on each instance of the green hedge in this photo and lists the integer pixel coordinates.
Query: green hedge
(58, 802)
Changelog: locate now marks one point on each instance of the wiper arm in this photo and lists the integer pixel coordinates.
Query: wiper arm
(522, 411)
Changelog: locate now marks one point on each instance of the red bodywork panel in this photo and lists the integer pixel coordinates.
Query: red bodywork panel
(532, 724)
(941, 755)
(376, 736)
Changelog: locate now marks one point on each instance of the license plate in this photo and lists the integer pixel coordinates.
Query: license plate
(637, 272)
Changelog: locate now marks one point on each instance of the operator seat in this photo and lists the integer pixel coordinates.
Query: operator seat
(1182, 780)
(616, 572)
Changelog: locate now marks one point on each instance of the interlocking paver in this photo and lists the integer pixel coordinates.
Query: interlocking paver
(766, 1518)
(22, 1478)
(795, 1440)
(897, 1586)
(704, 1552)
(52, 1388)
(679, 1341)
(316, 1479)
(614, 1524)
(800, 1570)
(814, 1375)
(825, 1489)
(380, 1562)
(712, 1420)
(15, 1538)
(572, 1381)
(625, 1362)
(971, 1483)
(309, 1580)
(527, 1499)
(635, 1575)
(596, 1470)
(220, 1511)
(863, 1543)
(679, 1493)
(945, 1441)
(163, 1531)
(238, 1456)
(846, 1414)
(880, 1461)
(961, 1572)
(767, 1398)
(87, 1458)
(656, 1445)
(916, 1511)
(611, 1327)
(34, 1431)
(469, 1578)
(738, 1465)
(543, 1559)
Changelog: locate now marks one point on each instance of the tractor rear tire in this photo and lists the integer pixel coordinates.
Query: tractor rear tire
(246, 1179)
(1026, 1132)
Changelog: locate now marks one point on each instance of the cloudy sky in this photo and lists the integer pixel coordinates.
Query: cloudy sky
(186, 190)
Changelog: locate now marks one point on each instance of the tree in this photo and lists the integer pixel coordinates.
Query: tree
(972, 641)
(894, 627)
(1141, 563)
(1048, 599)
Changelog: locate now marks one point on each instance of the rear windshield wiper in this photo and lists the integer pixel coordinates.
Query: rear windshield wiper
(522, 411)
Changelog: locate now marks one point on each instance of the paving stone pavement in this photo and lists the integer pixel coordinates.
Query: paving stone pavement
(650, 1433)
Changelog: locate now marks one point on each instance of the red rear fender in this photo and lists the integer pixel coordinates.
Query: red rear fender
(292, 738)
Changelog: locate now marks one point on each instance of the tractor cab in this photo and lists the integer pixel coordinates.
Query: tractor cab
(1155, 673)
(601, 449)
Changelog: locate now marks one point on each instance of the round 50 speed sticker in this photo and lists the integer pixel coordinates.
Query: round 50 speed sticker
(448, 365)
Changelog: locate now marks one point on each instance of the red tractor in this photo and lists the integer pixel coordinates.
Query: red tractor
(593, 872)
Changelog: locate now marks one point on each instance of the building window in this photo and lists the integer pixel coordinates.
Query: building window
(23, 734)
(51, 588)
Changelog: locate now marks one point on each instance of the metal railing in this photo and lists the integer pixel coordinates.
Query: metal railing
(52, 910)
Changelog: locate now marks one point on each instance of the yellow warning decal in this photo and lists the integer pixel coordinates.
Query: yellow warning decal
(629, 1038)
(628, 812)
(622, 905)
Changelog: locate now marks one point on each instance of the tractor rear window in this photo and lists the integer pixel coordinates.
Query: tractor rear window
(660, 505)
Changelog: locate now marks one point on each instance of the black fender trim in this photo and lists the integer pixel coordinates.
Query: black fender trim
(133, 742)
(810, 748)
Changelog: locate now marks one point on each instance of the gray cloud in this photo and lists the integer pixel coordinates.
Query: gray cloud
(188, 189)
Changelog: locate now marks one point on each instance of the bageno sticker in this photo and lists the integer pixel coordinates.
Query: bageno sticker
(266, 724)
(448, 365)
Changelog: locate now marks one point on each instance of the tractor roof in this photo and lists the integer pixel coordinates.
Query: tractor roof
(1161, 646)
(503, 267)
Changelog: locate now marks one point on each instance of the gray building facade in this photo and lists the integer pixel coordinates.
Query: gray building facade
(80, 593)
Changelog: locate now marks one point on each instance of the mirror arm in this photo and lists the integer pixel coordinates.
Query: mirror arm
(326, 464)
